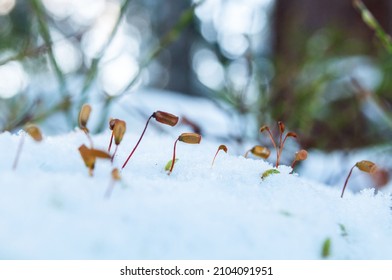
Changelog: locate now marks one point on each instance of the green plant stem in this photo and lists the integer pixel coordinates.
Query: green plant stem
(138, 142)
(326, 248)
(345, 183)
(63, 105)
(172, 35)
(24, 54)
(123, 9)
(375, 101)
(104, 114)
(372, 23)
(174, 157)
(37, 51)
(44, 30)
(93, 70)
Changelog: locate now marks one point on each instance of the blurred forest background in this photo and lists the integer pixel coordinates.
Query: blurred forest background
(322, 67)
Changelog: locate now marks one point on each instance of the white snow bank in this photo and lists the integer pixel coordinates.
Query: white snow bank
(51, 209)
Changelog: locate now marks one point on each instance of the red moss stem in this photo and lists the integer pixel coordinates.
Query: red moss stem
(273, 143)
(293, 164)
(217, 154)
(345, 183)
(174, 157)
(137, 144)
(110, 143)
(281, 145)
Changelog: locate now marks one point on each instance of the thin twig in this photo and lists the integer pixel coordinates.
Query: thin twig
(38, 50)
(44, 30)
(372, 23)
(93, 70)
(171, 36)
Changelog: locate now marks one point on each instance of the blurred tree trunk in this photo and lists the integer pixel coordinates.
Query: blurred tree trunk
(178, 55)
(308, 31)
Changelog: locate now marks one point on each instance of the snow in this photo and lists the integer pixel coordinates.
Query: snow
(52, 209)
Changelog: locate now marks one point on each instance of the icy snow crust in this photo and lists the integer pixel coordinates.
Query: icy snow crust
(51, 209)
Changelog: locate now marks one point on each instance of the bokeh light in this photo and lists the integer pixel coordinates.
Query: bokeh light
(6, 6)
(13, 79)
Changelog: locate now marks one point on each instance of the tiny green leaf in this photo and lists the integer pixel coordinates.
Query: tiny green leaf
(169, 164)
(326, 249)
(343, 231)
(269, 172)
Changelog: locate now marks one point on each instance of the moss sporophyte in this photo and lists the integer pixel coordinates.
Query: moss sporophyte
(118, 128)
(279, 147)
(299, 156)
(89, 156)
(159, 116)
(189, 138)
(259, 151)
(84, 116)
(365, 166)
(220, 148)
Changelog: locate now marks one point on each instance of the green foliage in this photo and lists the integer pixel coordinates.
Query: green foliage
(372, 23)
(20, 43)
(326, 248)
(269, 172)
(169, 164)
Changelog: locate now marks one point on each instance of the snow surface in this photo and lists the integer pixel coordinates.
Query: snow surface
(51, 209)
